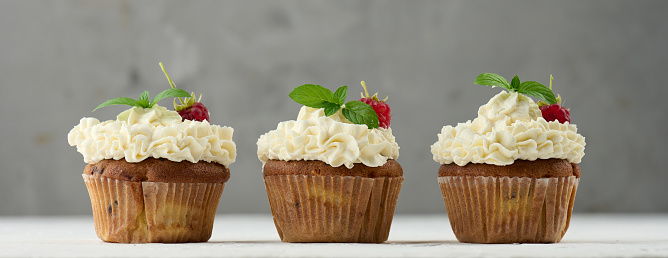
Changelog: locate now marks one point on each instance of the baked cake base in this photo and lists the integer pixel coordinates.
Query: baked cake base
(154, 201)
(526, 202)
(311, 203)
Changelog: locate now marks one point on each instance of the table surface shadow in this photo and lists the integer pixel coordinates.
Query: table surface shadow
(248, 235)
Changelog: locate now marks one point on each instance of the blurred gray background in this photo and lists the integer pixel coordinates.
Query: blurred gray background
(60, 59)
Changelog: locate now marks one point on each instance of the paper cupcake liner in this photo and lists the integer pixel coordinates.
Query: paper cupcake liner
(152, 212)
(332, 208)
(509, 210)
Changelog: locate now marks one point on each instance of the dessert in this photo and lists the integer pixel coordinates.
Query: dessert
(153, 175)
(331, 175)
(511, 174)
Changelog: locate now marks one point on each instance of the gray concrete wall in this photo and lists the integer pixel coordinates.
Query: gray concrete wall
(60, 59)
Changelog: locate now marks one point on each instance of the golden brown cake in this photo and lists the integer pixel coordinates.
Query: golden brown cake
(321, 203)
(542, 168)
(159, 170)
(391, 168)
(134, 200)
(525, 202)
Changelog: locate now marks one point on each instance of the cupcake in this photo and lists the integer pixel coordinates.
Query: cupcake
(511, 174)
(155, 175)
(331, 175)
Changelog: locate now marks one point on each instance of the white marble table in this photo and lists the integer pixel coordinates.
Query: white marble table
(601, 235)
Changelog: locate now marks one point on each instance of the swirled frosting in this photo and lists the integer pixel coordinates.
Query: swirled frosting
(139, 133)
(331, 139)
(509, 127)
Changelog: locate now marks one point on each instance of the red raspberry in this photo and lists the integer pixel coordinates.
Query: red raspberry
(198, 112)
(190, 108)
(381, 108)
(555, 112)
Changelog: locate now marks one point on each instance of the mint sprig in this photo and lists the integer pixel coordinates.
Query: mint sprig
(492, 79)
(359, 112)
(531, 88)
(515, 82)
(143, 99)
(316, 96)
(340, 95)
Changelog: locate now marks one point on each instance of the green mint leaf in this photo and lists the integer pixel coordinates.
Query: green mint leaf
(143, 103)
(537, 90)
(359, 112)
(341, 94)
(331, 109)
(515, 83)
(167, 94)
(492, 79)
(314, 96)
(118, 101)
(143, 99)
(144, 96)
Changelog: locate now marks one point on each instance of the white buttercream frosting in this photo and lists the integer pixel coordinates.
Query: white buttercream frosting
(509, 127)
(140, 133)
(331, 139)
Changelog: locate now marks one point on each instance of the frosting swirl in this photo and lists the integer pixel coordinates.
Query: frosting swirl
(509, 127)
(331, 139)
(140, 133)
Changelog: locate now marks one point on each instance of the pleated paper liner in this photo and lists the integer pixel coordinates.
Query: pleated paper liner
(332, 208)
(152, 212)
(509, 210)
